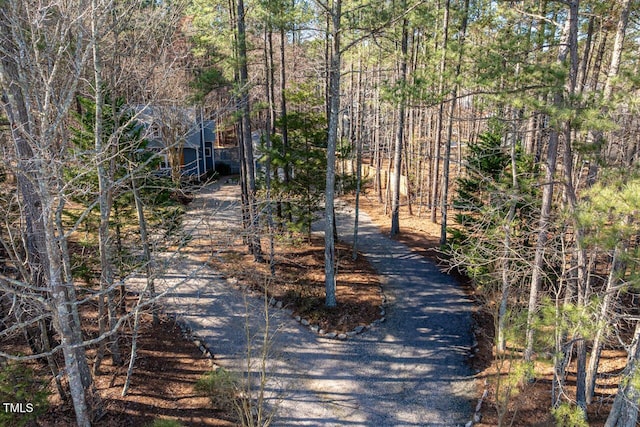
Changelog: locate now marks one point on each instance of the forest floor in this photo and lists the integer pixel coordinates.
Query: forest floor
(169, 364)
(167, 367)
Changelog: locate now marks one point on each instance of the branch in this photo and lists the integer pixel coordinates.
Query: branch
(480, 92)
(378, 29)
(536, 16)
(324, 6)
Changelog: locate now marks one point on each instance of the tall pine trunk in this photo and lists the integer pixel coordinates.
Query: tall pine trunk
(255, 247)
(359, 121)
(435, 177)
(548, 186)
(284, 127)
(332, 140)
(399, 141)
(452, 108)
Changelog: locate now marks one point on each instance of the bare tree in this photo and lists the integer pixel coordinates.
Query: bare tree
(105, 193)
(173, 123)
(39, 73)
(335, 15)
(48, 51)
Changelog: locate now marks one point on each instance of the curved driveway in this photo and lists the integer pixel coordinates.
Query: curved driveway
(408, 371)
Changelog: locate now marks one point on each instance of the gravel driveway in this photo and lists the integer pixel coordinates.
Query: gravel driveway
(408, 371)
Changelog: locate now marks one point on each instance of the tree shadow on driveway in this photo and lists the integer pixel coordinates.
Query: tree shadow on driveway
(407, 371)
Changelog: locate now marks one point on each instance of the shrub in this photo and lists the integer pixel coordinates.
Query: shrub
(567, 415)
(20, 385)
(220, 386)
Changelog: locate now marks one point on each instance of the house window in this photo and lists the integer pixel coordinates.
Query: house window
(154, 132)
(207, 151)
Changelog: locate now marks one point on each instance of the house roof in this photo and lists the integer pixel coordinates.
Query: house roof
(149, 115)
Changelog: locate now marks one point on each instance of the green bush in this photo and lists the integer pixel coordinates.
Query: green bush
(20, 386)
(220, 386)
(567, 415)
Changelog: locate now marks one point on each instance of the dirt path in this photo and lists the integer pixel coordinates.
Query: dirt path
(408, 371)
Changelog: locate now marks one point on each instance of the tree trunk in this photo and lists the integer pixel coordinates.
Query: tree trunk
(378, 143)
(399, 142)
(614, 66)
(547, 193)
(604, 317)
(624, 412)
(146, 247)
(579, 273)
(359, 119)
(506, 255)
(283, 117)
(243, 80)
(43, 249)
(435, 180)
(269, 128)
(332, 139)
(452, 109)
(149, 289)
(581, 276)
(107, 319)
(616, 55)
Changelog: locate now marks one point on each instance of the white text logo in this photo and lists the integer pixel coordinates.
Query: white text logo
(18, 408)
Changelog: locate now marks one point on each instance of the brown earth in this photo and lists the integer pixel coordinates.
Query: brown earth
(299, 282)
(162, 386)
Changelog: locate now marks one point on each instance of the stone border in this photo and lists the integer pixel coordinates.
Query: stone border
(333, 334)
(185, 329)
(234, 281)
(187, 333)
(477, 415)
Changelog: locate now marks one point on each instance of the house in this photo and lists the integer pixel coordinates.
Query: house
(198, 155)
(184, 135)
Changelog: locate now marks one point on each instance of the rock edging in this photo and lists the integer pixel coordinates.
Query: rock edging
(316, 328)
(477, 415)
(188, 334)
(274, 303)
(334, 334)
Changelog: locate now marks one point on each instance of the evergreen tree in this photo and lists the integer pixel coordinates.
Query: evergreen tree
(305, 159)
(496, 202)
